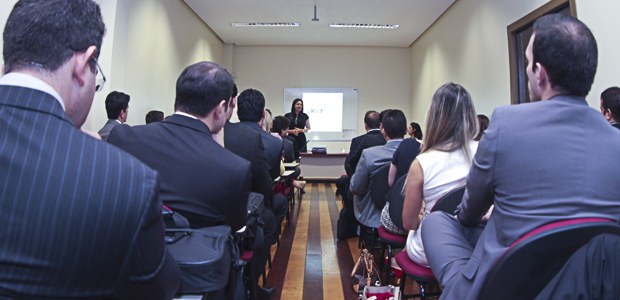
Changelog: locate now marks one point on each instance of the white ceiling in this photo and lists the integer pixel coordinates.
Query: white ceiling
(413, 16)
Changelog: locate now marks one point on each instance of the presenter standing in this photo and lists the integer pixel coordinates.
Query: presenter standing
(299, 124)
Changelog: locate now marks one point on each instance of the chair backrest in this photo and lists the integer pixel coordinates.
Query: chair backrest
(379, 186)
(397, 199)
(532, 261)
(450, 201)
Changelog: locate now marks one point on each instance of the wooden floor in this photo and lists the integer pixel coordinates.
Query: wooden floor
(310, 262)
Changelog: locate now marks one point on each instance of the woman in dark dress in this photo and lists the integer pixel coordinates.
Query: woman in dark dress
(299, 124)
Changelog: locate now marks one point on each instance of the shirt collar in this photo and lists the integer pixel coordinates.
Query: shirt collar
(29, 81)
(185, 114)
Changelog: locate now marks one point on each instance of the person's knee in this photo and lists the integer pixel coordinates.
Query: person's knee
(280, 204)
(435, 222)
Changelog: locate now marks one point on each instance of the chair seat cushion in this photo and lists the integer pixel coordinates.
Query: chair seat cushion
(414, 270)
(247, 255)
(394, 239)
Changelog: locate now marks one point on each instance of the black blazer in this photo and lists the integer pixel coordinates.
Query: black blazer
(203, 181)
(79, 218)
(273, 148)
(405, 154)
(248, 144)
(288, 151)
(358, 144)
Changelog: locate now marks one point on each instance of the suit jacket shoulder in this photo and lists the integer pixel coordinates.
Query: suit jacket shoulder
(205, 182)
(248, 144)
(77, 194)
(104, 132)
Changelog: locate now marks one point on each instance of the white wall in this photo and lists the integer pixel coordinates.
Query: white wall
(602, 18)
(5, 9)
(469, 45)
(147, 45)
(152, 42)
(382, 75)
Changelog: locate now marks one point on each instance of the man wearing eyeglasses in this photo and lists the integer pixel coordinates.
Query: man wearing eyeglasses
(78, 218)
(117, 108)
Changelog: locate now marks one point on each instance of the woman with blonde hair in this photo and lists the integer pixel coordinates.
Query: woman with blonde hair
(443, 163)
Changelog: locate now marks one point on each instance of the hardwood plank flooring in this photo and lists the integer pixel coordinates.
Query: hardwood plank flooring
(310, 262)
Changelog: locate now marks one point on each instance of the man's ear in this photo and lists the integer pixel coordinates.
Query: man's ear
(81, 65)
(541, 75)
(607, 115)
(221, 109)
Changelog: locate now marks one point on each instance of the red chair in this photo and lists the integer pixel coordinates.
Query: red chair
(422, 275)
(389, 240)
(532, 261)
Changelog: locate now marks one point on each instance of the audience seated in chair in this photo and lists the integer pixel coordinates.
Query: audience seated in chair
(117, 107)
(248, 144)
(393, 129)
(372, 137)
(534, 172)
(202, 181)
(402, 159)
(80, 218)
(154, 116)
(443, 163)
(610, 105)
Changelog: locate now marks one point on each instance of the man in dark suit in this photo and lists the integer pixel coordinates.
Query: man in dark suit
(116, 107)
(550, 168)
(248, 144)
(79, 218)
(251, 110)
(610, 106)
(372, 137)
(199, 179)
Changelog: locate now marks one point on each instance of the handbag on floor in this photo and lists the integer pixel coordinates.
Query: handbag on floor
(365, 272)
(204, 255)
(381, 292)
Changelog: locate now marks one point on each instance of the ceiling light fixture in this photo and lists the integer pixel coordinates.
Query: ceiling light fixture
(315, 19)
(361, 25)
(264, 24)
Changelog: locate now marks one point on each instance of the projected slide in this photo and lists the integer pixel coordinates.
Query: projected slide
(333, 112)
(325, 111)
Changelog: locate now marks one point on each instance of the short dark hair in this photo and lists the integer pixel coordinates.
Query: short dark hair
(250, 105)
(116, 102)
(483, 124)
(371, 119)
(568, 51)
(610, 99)
(394, 123)
(201, 87)
(154, 116)
(44, 34)
(382, 114)
(418, 130)
(279, 123)
(235, 91)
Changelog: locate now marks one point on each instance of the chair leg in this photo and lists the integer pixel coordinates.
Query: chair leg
(422, 291)
(390, 272)
(382, 264)
(403, 280)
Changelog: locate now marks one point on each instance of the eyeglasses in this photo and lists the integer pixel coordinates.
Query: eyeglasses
(99, 81)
